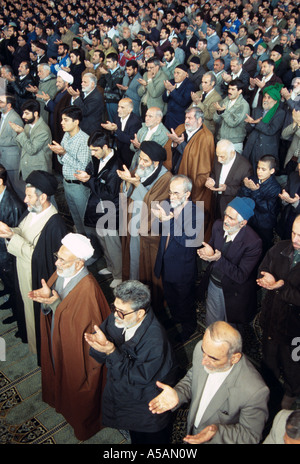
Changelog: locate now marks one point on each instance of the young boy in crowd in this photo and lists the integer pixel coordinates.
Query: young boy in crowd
(264, 189)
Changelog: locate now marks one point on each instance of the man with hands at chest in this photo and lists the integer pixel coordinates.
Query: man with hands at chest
(228, 396)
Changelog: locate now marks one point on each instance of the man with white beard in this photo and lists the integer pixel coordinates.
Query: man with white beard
(72, 302)
(148, 183)
(176, 260)
(228, 396)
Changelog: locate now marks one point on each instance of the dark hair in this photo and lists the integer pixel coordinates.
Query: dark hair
(124, 42)
(112, 56)
(10, 99)
(236, 83)
(73, 112)
(269, 61)
(98, 139)
(138, 42)
(3, 174)
(65, 46)
(76, 52)
(132, 64)
(269, 159)
(169, 49)
(31, 105)
(101, 53)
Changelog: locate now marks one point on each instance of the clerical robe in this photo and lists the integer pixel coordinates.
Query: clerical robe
(35, 240)
(196, 163)
(72, 381)
(146, 243)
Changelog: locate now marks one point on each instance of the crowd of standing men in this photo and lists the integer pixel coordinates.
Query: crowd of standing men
(173, 129)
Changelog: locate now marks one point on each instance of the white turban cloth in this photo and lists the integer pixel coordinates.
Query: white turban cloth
(66, 77)
(79, 245)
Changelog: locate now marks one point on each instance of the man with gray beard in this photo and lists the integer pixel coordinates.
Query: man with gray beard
(72, 303)
(148, 183)
(32, 243)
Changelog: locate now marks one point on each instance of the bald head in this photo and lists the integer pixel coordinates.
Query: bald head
(125, 107)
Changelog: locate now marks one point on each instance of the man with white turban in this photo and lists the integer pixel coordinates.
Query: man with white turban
(72, 303)
(55, 105)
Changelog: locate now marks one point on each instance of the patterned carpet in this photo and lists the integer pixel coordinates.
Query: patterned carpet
(26, 419)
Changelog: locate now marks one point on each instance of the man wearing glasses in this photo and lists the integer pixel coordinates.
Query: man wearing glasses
(135, 349)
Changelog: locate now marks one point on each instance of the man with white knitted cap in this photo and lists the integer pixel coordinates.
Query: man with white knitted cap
(72, 303)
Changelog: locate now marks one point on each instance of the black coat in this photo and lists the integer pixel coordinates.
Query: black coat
(19, 87)
(280, 316)
(263, 138)
(104, 186)
(92, 107)
(11, 209)
(132, 371)
(238, 268)
(178, 261)
(289, 212)
(123, 138)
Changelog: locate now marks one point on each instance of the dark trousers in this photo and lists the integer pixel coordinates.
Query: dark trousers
(162, 437)
(277, 358)
(180, 298)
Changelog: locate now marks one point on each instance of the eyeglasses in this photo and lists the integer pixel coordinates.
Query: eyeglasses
(120, 313)
(63, 261)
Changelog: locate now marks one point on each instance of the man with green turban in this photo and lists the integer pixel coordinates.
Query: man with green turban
(264, 126)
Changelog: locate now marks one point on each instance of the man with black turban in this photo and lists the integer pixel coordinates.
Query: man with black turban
(33, 243)
(148, 183)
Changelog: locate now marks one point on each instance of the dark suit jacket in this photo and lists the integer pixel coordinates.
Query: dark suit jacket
(251, 93)
(244, 78)
(289, 213)
(177, 262)
(19, 87)
(123, 138)
(238, 267)
(92, 108)
(240, 169)
(250, 66)
(263, 138)
(178, 100)
(105, 186)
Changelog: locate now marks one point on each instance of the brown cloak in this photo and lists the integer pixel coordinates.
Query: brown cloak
(196, 163)
(148, 243)
(74, 385)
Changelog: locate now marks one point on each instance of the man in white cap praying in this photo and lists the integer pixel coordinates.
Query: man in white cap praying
(55, 105)
(72, 303)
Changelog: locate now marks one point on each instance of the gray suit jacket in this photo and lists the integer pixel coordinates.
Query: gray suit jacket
(160, 136)
(35, 153)
(239, 408)
(9, 148)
